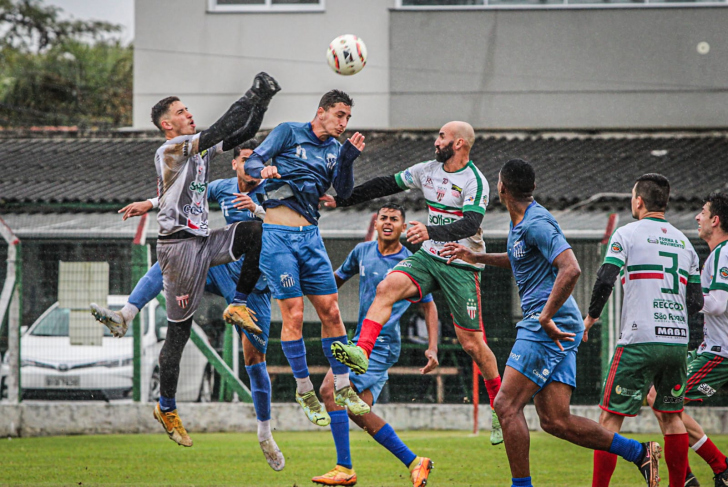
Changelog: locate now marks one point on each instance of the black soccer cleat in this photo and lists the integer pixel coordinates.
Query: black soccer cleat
(265, 86)
(650, 462)
(721, 480)
(691, 480)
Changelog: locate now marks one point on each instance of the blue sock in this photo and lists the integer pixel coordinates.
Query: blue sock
(336, 366)
(295, 352)
(630, 450)
(522, 482)
(260, 390)
(167, 404)
(147, 288)
(240, 298)
(389, 440)
(340, 431)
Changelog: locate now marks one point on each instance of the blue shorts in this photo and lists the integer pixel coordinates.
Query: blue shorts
(374, 378)
(222, 280)
(537, 357)
(295, 262)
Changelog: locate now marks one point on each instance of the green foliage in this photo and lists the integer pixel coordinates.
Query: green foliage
(61, 72)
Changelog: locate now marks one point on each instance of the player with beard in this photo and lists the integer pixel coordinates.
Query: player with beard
(457, 195)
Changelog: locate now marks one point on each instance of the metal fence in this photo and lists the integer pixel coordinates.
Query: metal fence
(57, 361)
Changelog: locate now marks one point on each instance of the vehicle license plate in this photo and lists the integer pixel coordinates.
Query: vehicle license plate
(69, 381)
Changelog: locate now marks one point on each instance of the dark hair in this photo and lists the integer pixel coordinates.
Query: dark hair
(333, 97)
(519, 178)
(654, 189)
(719, 207)
(392, 206)
(161, 108)
(249, 144)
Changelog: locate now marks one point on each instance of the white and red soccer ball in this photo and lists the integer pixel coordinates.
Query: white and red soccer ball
(347, 55)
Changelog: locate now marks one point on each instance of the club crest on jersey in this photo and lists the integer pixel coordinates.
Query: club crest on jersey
(724, 272)
(456, 190)
(183, 301)
(472, 308)
(616, 247)
(653, 240)
(518, 249)
(664, 230)
(330, 160)
(287, 280)
(440, 193)
(445, 180)
(428, 183)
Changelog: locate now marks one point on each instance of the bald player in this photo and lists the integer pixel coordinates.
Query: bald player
(457, 195)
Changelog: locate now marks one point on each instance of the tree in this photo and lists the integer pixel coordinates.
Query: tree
(61, 72)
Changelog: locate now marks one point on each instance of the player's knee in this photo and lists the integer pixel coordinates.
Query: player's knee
(553, 424)
(330, 315)
(255, 357)
(503, 406)
(471, 346)
(387, 292)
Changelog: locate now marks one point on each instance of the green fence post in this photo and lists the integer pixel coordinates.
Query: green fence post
(19, 297)
(140, 260)
(226, 391)
(226, 373)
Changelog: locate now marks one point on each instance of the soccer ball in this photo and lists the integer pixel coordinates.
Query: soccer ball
(347, 55)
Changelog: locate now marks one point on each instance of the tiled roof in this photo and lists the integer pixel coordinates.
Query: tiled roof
(570, 168)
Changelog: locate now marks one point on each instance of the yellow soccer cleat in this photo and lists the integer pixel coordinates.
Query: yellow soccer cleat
(239, 314)
(496, 432)
(112, 319)
(347, 398)
(314, 410)
(173, 426)
(273, 454)
(337, 476)
(420, 470)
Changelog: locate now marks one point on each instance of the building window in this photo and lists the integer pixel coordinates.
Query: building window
(494, 4)
(266, 5)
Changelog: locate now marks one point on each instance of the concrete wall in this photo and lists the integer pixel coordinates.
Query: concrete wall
(83, 418)
(209, 59)
(565, 68)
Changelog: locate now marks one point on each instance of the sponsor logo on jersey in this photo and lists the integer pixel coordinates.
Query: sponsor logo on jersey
(653, 240)
(472, 308)
(670, 332)
(538, 374)
(670, 242)
(407, 176)
(186, 148)
(678, 390)
(301, 153)
(457, 191)
(440, 193)
(706, 389)
(485, 200)
(616, 247)
(634, 325)
(428, 183)
(545, 372)
(440, 219)
(287, 280)
(445, 180)
(331, 160)
(470, 200)
(666, 304)
(183, 301)
(623, 391)
(715, 348)
(672, 400)
(193, 209)
(672, 318)
(724, 272)
(198, 188)
(404, 263)
(516, 356)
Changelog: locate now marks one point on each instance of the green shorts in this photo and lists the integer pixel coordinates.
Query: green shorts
(707, 373)
(460, 285)
(635, 368)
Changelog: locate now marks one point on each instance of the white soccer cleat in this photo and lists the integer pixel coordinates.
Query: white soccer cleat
(273, 454)
(112, 319)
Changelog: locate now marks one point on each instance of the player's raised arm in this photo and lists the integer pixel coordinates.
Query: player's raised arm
(138, 208)
(243, 118)
(343, 180)
(348, 269)
(279, 138)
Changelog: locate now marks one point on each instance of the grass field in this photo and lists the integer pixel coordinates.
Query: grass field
(235, 459)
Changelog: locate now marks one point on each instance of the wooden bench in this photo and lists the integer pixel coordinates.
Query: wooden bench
(439, 373)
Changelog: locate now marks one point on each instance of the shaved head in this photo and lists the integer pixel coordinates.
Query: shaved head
(461, 130)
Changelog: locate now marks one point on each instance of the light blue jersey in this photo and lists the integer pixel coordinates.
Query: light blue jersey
(533, 245)
(307, 166)
(373, 267)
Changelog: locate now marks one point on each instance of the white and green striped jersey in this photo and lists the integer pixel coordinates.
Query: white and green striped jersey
(448, 195)
(715, 278)
(657, 262)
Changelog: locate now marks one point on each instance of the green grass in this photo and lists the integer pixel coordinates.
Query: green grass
(235, 459)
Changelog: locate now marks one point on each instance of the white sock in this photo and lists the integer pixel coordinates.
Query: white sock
(304, 385)
(129, 312)
(341, 381)
(264, 430)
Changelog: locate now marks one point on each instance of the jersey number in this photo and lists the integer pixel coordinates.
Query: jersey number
(673, 272)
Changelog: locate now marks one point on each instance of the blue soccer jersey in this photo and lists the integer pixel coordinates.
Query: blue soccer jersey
(373, 267)
(533, 245)
(307, 167)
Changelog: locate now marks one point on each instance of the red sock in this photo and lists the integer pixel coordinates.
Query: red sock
(370, 331)
(676, 457)
(604, 465)
(710, 453)
(492, 386)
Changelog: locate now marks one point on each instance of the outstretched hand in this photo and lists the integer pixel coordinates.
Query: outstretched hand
(588, 323)
(357, 140)
(417, 233)
(137, 208)
(243, 202)
(432, 362)
(327, 201)
(456, 251)
(556, 334)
